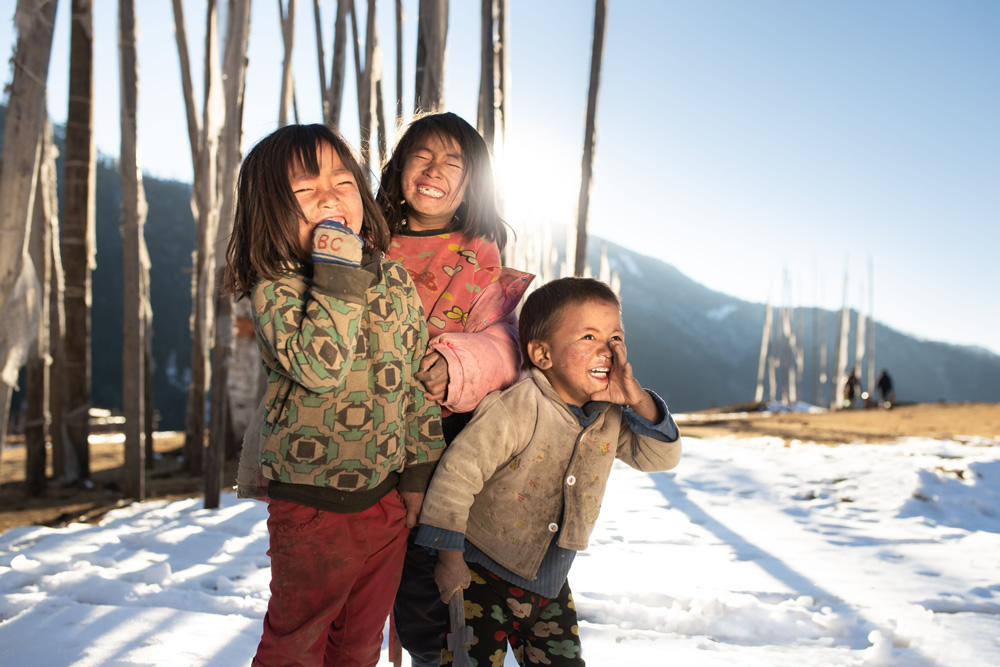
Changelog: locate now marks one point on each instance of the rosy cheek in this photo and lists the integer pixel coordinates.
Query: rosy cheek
(578, 358)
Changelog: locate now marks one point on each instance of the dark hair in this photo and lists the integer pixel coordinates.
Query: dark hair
(541, 310)
(265, 237)
(477, 215)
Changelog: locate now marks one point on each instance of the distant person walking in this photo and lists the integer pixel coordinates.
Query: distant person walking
(885, 391)
(852, 387)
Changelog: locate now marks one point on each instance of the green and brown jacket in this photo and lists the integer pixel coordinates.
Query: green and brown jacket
(346, 420)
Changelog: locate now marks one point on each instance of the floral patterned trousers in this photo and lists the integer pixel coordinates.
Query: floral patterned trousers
(540, 630)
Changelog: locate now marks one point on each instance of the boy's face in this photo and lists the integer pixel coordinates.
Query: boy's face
(577, 358)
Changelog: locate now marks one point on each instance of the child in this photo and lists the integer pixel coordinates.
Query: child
(519, 490)
(349, 438)
(438, 198)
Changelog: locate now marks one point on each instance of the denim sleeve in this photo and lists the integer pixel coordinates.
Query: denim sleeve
(665, 431)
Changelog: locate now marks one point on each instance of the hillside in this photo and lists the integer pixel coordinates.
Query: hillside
(696, 347)
(699, 348)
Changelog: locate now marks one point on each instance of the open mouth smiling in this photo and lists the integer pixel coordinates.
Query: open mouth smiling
(429, 191)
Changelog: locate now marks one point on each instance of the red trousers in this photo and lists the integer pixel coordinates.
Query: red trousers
(333, 579)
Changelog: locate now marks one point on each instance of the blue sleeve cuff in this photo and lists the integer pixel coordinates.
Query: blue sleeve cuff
(440, 538)
(665, 431)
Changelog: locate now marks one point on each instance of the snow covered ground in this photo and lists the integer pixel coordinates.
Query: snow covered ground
(752, 552)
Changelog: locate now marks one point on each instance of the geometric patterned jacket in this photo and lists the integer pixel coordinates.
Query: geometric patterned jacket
(346, 420)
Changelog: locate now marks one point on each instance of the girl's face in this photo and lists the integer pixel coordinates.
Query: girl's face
(433, 182)
(332, 194)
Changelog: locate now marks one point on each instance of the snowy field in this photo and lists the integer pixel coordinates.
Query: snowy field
(752, 552)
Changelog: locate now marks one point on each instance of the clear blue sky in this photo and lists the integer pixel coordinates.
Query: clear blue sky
(738, 141)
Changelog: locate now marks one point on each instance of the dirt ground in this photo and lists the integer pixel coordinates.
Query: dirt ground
(79, 503)
(957, 421)
(86, 503)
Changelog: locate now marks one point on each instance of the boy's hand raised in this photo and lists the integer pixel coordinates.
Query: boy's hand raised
(451, 574)
(623, 388)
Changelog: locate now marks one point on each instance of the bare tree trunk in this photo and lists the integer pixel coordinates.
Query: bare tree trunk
(61, 457)
(788, 352)
(188, 87)
(487, 71)
(432, 36)
(36, 375)
(823, 354)
(322, 61)
(221, 441)
(871, 329)
(133, 219)
(762, 359)
(501, 78)
(399, 63)
(203, 287)
(363, 77)
(800, 356)
(590, 137)
(376, 76)
(25, 114)
(860, 340)
(149, 412)
(192, 448)
(840, 359)
(288, 37)
(337, 70)
(79, 244)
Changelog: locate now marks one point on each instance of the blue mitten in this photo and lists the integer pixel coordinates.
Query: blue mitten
(335, 243)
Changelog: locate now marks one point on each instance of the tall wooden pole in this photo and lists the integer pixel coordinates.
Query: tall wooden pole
(206, 190)
(79, 247)
(25, 115)
(322, 61)
(762, 359)
(133, 219)
(399, 63)
(221, 437)
(590, 138)
(288, 39)
(37, 387)
(338, 67)
(432, 37)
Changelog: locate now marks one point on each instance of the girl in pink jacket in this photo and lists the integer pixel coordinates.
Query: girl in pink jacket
(437, 194)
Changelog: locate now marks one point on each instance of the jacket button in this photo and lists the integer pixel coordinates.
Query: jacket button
(571, 480)
(553, 527)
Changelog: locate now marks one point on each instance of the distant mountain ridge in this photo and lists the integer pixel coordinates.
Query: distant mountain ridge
(700, 348)
(696, 347)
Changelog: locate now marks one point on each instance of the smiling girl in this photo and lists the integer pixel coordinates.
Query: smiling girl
(349, 438)
(438, 197)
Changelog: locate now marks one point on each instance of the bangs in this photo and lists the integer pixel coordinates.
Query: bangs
(302, 160)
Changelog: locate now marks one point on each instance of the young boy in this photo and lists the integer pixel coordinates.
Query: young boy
(518, 491)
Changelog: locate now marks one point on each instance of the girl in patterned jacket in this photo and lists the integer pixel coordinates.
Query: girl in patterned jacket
(437, 194)
(349, 437)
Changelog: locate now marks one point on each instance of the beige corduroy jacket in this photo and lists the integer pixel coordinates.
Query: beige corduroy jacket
(524, 468)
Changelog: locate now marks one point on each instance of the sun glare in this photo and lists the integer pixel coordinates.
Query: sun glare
(539, 184)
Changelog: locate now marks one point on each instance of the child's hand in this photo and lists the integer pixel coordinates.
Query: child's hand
(334, 242)
(451, 574)
(413, 500)
(623, 388)
(434, 374)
